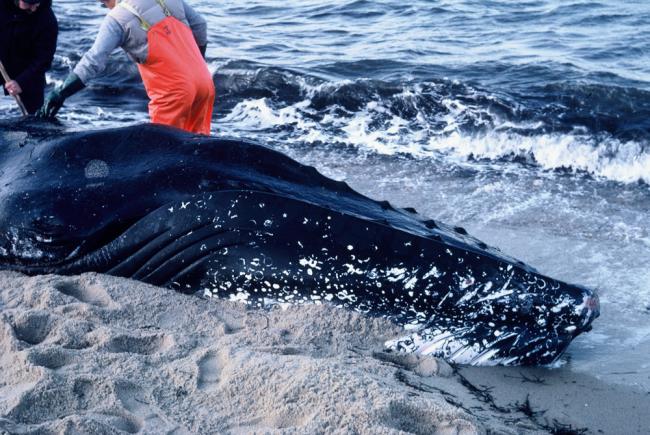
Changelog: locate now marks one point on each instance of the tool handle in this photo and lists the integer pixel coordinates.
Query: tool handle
(6, 78)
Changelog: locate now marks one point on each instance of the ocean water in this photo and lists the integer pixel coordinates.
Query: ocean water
(526, 122)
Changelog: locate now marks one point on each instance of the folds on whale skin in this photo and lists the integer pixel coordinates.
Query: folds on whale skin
(238, 220)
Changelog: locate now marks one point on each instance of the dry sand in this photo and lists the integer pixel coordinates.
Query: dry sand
(99, 354)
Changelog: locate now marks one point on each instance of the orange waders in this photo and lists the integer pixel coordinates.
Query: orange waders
(175, 75)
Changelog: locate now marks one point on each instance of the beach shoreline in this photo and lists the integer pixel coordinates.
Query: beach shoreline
(100, 354)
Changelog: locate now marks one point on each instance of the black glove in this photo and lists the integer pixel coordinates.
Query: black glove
(56, 97)
(202, 49)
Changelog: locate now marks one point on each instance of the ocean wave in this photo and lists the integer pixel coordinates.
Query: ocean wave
(584, 128)
(610, 158)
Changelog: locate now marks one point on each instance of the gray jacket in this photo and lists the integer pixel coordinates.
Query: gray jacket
(122, 28)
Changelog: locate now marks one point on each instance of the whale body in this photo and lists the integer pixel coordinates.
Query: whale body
(241, 221)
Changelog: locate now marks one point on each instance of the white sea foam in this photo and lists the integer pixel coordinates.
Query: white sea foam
(611, 159)
(375, 129)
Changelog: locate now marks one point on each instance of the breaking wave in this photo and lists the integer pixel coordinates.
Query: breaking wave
(583, 130)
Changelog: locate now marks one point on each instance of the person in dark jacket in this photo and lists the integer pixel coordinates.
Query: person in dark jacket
(28, 33)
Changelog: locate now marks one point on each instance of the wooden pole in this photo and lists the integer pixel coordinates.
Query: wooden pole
(6, 78)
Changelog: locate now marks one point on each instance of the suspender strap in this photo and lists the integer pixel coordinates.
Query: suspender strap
(143, 23)
(164, 7)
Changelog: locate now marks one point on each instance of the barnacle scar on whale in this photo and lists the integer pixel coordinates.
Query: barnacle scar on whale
(238, 220)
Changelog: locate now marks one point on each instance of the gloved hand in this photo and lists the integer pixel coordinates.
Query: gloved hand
(56, 97)
(203, 49)
(53, 102)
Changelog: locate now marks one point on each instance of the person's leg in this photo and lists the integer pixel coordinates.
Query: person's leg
(201, 113)
(174, 107)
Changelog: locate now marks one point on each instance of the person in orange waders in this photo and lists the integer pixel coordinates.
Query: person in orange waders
(167, 39)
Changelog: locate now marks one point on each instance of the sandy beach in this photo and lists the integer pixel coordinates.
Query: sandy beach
(100, 354)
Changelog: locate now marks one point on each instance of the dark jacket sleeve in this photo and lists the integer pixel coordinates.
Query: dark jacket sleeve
(45, 47)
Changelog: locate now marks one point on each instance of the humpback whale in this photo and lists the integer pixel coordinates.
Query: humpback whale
(241, 221)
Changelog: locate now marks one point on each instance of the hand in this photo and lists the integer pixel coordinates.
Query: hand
(13, 88)
(55, 99)
(53, 103)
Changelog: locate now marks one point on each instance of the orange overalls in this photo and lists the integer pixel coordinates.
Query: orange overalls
(175, 75)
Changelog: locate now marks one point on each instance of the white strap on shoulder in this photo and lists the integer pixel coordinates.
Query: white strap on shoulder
(164, 7)
(143, 23)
